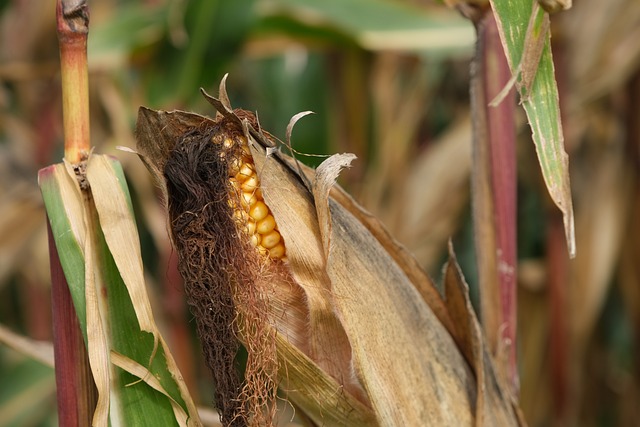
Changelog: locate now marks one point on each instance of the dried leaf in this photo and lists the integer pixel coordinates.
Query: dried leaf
(121, 234)
(406, 361)
(156, 135)
(293, 207)
(494, 407)
(317, 394)
(149, 378)
(110, 196)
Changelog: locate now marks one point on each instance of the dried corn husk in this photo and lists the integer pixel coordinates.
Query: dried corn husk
(362, 336)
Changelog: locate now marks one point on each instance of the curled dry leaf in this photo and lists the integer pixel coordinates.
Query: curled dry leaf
(340, 317)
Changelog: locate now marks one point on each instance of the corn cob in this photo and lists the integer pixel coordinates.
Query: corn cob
(254, 217)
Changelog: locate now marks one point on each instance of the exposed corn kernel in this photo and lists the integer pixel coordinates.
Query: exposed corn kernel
(255, 239)
(246, 153)
(240, 215)
(266, 225)
(235, 183)
(234, 167)
(250, 184)
(277, 251)
(246, 170)
(270, 240)
(259, 211)
(251, 226)
(247, 200)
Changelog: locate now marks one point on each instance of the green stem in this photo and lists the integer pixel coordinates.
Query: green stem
(73, 29)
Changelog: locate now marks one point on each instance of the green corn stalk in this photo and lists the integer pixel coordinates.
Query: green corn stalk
(112, 365)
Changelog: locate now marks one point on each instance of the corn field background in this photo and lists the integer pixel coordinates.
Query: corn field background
(397, 98)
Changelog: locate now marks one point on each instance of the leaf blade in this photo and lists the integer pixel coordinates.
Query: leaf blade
(541, 105)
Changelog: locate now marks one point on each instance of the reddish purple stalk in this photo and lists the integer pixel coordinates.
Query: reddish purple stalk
(502, 141)
(76, 392)
(495, 195)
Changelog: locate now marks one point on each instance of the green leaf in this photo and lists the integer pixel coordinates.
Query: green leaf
(382, 24)
(541, 104)
(133, 26)
(63, 205)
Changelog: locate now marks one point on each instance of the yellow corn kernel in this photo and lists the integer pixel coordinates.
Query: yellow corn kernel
(265, 225)
(250, 184)
(240, 215)
(246, 153)
(247, 200)
(258, 211)
(277, 251)
(234, 182)
(255, 239)
(270, 240)
(246, 170)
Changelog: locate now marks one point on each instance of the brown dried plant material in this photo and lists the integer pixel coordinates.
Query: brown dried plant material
(222, 269)
(491, 388)
(360, 333)
(204, 233)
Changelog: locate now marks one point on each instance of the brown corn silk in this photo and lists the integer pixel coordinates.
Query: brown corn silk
(206, 242)
(220, 267)
(360, 333)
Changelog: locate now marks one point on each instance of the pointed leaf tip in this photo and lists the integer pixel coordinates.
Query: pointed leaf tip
(222, 103)
(222, 92)
(126, 149)
(569, 227)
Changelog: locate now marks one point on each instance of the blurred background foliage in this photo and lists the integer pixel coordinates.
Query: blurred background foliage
(388, 81)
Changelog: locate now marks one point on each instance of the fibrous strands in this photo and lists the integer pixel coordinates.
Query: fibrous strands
(227, 240)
